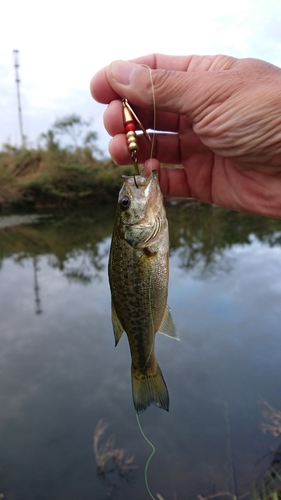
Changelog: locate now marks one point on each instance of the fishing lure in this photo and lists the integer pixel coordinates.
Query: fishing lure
(132, 141)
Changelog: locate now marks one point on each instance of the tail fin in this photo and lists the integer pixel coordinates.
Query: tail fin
(149, 388)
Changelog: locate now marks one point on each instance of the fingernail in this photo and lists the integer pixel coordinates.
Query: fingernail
(122, 71)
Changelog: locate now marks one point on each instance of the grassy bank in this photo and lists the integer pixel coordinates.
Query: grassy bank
(63, 170)
(38, 177)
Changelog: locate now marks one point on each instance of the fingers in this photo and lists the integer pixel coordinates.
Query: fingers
(101, 89)
(166, 149)
(136, 82)
(176, 88)
(113, 119)
(172, 181)
(100, 86)
(161, 61)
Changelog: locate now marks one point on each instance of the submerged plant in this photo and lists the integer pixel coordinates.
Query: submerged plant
(273, 419)
(112, 462)
(271, 482)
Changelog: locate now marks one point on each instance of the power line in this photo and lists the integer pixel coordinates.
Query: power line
(17, 80)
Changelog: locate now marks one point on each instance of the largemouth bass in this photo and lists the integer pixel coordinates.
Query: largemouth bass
(138, 277)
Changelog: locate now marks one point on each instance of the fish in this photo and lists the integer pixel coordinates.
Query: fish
(138, 276)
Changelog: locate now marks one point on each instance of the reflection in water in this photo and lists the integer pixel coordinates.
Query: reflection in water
(73, 240)
(38, 308)
(271, 479)
(113, 464)
(231, 486)
(273, 419)
(201, 234)
(60, 373)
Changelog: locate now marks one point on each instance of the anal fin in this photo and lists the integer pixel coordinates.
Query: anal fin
(167, 326)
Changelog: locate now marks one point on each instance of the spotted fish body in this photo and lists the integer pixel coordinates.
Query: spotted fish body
(138, 276)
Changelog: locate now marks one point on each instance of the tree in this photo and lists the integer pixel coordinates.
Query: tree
(74, 133)
(51, 144)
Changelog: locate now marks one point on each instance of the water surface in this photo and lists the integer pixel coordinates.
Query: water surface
(61, 374)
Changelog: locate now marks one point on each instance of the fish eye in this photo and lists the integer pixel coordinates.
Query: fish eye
(124, 202)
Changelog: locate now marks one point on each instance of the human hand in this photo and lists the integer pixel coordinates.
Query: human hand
(225, 118)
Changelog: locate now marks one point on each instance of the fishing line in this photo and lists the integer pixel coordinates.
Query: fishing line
(137, 417)
(151, 156)
(154, 113)
(149, 458)
(151, 315)
(150, 305)
(154, 110)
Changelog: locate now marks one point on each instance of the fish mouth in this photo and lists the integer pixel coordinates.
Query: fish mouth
(135, 180)
(131, 180)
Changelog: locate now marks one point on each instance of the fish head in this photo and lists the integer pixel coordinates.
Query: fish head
(140, 207)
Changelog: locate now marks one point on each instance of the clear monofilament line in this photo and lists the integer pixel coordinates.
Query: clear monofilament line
(154, 111)
(149, 458)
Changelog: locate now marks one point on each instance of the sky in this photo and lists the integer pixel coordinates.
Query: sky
(63, 44)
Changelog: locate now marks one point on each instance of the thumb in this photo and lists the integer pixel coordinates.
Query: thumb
(178, 92)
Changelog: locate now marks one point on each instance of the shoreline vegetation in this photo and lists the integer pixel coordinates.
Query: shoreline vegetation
(66, 168)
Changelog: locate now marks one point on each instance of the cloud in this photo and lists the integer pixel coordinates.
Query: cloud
(59, 56)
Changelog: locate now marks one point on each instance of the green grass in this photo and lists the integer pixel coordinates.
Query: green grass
(41, 177)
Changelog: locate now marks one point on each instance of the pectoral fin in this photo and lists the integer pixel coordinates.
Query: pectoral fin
(117, 327)
(167, 326)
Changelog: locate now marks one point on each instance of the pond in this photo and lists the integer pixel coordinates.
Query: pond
(65, 388)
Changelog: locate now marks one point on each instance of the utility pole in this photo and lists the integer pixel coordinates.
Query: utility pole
(17, 80)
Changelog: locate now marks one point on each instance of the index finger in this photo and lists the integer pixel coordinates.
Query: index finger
(114, 123)
(103, 92)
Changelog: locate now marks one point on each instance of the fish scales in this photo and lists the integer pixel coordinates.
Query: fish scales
(139, 305)
(138, 276)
